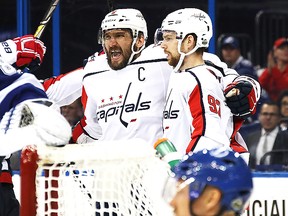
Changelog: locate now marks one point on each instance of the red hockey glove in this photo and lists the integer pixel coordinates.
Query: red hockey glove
(30, 51)
(241, 98)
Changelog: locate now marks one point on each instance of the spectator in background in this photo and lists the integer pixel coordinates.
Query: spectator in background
(231, 54)
(280, 156)
(262, 140)
(283, 104)
(73, 112)
(274, 78)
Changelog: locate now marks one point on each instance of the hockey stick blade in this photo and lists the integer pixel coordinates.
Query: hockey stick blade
(46, 18)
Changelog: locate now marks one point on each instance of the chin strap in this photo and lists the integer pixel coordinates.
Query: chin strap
(135, 52)
(190, 209)
(183, 55)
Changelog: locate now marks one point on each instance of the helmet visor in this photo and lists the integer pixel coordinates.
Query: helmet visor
(158, 37)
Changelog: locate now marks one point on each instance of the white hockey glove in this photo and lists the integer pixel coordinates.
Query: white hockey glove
(33, 122)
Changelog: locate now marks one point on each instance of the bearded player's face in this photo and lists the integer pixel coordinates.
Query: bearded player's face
(117, 45)
(170, 46)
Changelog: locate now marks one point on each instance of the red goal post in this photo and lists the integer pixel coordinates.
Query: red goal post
(101, 178)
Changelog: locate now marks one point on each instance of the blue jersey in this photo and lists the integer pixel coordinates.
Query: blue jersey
(15, 87)
(245, 68)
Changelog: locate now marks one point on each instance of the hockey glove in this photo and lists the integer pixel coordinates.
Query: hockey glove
(240, 98)
(30, 51)
(42, 124)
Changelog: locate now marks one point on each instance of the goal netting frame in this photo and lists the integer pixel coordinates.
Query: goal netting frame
(103, 178)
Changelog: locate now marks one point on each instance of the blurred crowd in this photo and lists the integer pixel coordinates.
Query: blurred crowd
(265, 133)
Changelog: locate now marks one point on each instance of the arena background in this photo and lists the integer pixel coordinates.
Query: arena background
(80, 21)
(79, 24)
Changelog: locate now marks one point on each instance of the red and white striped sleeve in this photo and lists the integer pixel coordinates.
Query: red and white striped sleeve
(65, 88)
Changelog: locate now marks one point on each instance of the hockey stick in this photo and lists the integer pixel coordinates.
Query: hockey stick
(46, 18)
(43, 24)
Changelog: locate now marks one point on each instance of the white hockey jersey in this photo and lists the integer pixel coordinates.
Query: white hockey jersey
(122, 104)
(126, 103)
(196, 115)
(66, 88)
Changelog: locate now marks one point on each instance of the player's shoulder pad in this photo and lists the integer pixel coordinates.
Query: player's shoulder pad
(91, 58)
(209, 57)
(212, 65)
(152, 52)
(95, 57)
(96, 62)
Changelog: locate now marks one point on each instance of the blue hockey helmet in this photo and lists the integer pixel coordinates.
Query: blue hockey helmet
(221, 168)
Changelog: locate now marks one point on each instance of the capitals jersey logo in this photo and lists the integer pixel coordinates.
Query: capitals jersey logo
(170, 113)
(120, 108)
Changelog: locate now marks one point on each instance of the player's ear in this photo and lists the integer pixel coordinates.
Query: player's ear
(190, 40)
(188, 43)
(213, 198)
(140, 41)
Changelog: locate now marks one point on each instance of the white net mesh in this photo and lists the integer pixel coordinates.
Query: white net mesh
(101, 178)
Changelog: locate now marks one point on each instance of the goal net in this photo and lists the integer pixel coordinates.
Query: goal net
(116, 178)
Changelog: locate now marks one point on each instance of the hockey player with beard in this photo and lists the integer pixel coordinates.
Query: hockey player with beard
(124, 90)
(196, 109)
(119, 94)
(26, 114)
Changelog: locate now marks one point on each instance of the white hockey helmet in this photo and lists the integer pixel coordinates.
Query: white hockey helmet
(187, 21)
(126, 19)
